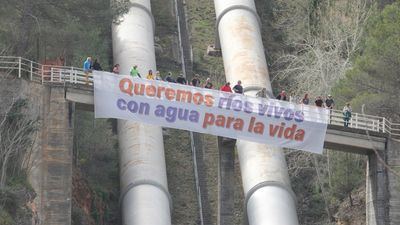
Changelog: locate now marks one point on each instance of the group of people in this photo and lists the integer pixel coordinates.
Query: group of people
(196, 82)
(328, 103)
(134, 72)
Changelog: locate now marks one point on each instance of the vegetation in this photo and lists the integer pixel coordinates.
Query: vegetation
(166, 38)
(16, 130)
(16, 140)
(96, 171)
(319, 39)
(72, 29)
(374, 79)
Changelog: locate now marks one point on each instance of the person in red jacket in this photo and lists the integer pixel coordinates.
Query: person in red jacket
(226, 87)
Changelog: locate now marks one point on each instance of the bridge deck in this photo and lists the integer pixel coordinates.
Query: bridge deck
(349, 139)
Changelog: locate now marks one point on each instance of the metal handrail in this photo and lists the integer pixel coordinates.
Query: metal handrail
(41, 73)
(52, 74)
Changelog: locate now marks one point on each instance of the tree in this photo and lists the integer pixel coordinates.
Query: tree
(16, 140)
(374, 80)
(43, 29)
(347, 171)
(321, 38)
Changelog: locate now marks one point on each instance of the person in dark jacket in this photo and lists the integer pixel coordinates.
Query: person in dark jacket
(208, 84)
(329, 102)
(181, 79)
(347, 114)
(238, 88)
(196, 81)
(319, 102)
(305, 100)
(96, 65)
(282, 96)
(169, 78)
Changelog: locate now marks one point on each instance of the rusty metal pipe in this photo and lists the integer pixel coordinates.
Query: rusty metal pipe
(145, 199)
(269, 198)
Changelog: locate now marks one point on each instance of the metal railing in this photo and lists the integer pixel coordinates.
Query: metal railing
(366, 122)
(52, 74)
(40, 73)
(358, 121)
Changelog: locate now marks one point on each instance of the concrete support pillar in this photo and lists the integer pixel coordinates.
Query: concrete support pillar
(393, 160)
(376, 192)
(226, 180)
(56, 163)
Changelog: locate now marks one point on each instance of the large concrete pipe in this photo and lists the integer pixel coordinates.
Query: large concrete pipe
(145, 199)
(269, 197)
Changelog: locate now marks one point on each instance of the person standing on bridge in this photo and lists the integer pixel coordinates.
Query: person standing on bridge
(238, 88)
(208, 84)
(347, 114)
(150, 75)
(319, 102)
(116, 69)
(169, 78)
(181, 80)
(96, 65)
(282, 96)
(305, 99)
(87, 65)
(135, 72)
(196, 80)
(226, 87)
(329, 102)
(158, 75)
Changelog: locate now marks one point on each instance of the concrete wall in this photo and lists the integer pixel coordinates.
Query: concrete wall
(56, 164)
(50, 172)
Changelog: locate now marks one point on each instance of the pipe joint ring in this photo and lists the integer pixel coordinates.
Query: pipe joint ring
(265, 184)
(146, 10)
(258, 88)
(131, 186)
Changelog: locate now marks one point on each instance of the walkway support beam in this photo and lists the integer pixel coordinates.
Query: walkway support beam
(269, 199)
(145, 198)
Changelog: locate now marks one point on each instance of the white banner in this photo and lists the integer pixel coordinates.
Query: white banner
(268, 121)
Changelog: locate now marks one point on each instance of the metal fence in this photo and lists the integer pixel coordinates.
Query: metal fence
(44, 73)
(51, 74)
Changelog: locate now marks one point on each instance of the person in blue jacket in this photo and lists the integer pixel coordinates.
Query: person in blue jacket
(87, 65)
